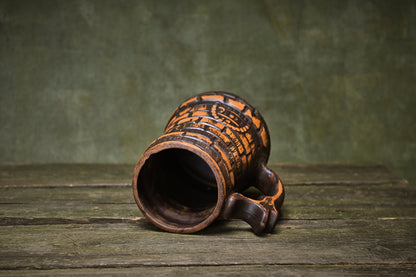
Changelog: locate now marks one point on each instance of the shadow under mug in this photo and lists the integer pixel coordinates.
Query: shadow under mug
(215, 146)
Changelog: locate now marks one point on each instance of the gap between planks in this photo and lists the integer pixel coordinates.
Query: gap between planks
(16, 221)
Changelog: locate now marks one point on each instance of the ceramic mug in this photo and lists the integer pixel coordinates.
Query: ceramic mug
(215, 145)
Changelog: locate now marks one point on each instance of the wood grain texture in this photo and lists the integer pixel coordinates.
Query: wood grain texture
(33, 205)
(65, 175)
(341, 220)
(227, 243)
(106, 175)
(231, 270)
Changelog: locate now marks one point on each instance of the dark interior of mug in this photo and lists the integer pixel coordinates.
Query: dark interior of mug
(177, 187)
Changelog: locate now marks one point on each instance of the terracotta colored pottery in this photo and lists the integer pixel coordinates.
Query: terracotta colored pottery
(215, 145)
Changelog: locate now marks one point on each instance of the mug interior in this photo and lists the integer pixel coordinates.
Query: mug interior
(177, 188)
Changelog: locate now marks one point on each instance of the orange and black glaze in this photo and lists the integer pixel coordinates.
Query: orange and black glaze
(227, 126)
(231, 136)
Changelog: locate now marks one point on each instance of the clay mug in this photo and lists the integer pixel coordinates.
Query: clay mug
(215, 145)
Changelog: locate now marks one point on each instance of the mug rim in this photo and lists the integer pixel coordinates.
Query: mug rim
(206, 157)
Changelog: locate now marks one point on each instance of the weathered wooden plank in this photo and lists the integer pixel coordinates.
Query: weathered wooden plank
(15, 221)
(314, 242)
(111, 213)
(231, 270)
(314, 194)
(82, 211)
(58, 175)
(83, 205)
(65, 195)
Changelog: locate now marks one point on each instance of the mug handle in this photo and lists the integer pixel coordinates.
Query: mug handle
(261, 214)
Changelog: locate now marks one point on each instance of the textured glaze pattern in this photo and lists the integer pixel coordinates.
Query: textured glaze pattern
(231, 127)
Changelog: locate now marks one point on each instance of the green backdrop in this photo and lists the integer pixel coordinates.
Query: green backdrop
(95, 81)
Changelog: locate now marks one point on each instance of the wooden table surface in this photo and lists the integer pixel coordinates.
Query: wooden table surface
(81, 219)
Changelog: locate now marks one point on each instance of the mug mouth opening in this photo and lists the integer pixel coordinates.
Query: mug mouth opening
(178, 187)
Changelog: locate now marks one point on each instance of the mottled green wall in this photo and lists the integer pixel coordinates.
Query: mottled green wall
(95, 81)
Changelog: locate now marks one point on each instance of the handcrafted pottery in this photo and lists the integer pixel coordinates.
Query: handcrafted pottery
(215, 145)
